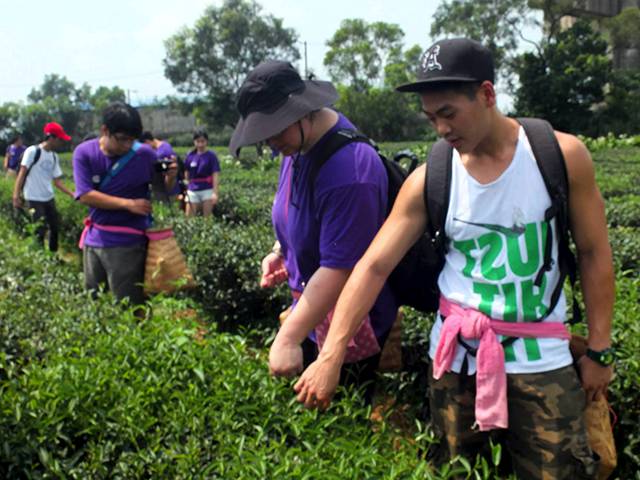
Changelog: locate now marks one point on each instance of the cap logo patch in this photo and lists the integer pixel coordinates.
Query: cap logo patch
(430, 60)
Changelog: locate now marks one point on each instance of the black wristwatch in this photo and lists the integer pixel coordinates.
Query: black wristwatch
(604, 357)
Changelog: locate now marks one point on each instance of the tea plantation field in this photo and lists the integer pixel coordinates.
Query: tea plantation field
(89, 391)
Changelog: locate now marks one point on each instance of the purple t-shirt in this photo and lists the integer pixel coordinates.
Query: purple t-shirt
(201, 165)
(332, 224)
(90, 165)
(14, 153)
(165, 150)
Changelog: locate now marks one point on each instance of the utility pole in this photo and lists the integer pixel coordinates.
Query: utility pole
(306, 69)
(129, 91)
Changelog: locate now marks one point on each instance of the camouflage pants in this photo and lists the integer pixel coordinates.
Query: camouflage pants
(546, 437)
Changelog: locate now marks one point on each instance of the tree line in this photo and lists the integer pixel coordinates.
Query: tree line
(568, 76)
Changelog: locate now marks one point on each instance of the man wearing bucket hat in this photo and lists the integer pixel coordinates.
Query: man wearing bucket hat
(323, 220)
(113, 175)
(529, 394)
(39, 167)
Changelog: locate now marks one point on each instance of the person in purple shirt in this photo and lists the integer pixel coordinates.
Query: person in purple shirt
(113, 242)
(202, 170)
(13, 156)
(165, 156)
(323, 222)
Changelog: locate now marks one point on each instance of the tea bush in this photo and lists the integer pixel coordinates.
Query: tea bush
(623, 392)
(624, 211)
(225, 259)
(99, 395)
(625, 244)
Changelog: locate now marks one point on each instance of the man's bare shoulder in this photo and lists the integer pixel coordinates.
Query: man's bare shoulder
(576, 155)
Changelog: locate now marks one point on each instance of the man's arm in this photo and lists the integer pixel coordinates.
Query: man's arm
(400, 231)
(60, 186)
(170, 176)
(96, 199)
(17, 187)
(318, 298)
(215, 179)
(6, 161)
(589, 231)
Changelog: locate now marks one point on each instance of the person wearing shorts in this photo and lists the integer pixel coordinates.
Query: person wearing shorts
(202, 171)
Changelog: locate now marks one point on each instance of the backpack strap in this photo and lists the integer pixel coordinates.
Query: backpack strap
(35, 160)
(553, 169)
(437, 189)
(331, 145)
(117, 167)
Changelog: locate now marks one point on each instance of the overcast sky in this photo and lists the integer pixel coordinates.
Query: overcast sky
(120, 42)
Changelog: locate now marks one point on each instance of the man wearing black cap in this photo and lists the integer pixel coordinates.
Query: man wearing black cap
(496, 228)
(39, 167)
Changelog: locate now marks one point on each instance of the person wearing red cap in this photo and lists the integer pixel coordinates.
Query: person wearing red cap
(39, 167)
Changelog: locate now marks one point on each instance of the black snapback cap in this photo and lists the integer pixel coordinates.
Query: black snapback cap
(452, 60)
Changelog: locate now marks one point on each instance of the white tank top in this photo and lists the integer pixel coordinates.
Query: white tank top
(496, 235)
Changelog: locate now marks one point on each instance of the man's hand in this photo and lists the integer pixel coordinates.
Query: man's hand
(17, 202)
(318, 384)
(274, 271)
(595, 378)
(214, 197)
(285, 358)
(139, 206)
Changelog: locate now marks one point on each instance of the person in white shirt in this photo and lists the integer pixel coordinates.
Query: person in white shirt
(39, 167)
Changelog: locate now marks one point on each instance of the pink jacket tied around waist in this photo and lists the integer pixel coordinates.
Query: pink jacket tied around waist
(150, 234)
(491, 380)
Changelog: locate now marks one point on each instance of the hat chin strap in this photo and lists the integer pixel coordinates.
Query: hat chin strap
(299, 152)
(301, 136)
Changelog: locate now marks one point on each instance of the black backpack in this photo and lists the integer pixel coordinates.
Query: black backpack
(414, 281)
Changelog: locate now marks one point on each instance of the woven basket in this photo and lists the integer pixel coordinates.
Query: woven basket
(597, 421)
(165, 270)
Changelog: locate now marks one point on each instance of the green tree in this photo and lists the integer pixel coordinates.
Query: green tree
(57, 99)
(9, 113)
(33, 117)
(553, 11)
(565, 82)
(622, 112)
(209, 61)
(103, 96)
(403, 71)
(367, 62)
(54, 86)
(382, 114)
(624, 28)
(497, 25)
(500, 25)
(359, 52)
